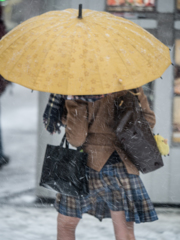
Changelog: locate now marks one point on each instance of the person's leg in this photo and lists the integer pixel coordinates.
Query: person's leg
(123, 230)
(66, 227)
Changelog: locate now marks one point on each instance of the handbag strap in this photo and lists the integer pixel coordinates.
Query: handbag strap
(62, 141)
(136, 93)
(67, 143)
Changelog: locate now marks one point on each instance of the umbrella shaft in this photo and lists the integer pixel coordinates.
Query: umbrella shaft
(80, 11)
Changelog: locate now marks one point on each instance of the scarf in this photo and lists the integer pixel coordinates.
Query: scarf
(53, 113)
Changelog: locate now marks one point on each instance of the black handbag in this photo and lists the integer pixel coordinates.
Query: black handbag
(64, 170)
(134, 134)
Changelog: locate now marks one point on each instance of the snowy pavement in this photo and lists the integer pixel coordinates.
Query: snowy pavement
(35, 223)
(19, 134)
(23, 219)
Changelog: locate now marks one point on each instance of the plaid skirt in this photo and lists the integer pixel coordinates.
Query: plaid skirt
(110, 189)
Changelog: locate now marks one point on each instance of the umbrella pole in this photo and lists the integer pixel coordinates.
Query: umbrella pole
(80, 11)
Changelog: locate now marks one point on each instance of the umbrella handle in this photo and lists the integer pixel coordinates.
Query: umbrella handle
(80, 11)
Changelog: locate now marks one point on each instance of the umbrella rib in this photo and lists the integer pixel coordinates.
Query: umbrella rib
(144, 57)
(70, 62)
(22, 51)
(127, 41)
(116, 52)
(99, 72)
(143, 41)
(31, 44)
(139, 36)
(18, 38)
(34, 27)
(47, 53)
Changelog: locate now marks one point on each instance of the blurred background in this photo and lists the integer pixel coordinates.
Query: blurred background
(24, 137)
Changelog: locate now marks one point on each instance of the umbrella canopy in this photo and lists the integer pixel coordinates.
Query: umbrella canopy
(99, 53)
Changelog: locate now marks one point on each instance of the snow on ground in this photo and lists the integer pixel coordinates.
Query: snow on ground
(20, 218)
(35, 223)
(19, 132)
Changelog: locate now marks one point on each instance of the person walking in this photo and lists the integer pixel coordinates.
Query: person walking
(3, 84)
(115, 188)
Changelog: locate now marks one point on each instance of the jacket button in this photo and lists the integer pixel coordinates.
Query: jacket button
(122, 140)
(156, 164)
(144, 169)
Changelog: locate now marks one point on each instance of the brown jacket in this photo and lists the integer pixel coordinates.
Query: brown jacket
(90, 124)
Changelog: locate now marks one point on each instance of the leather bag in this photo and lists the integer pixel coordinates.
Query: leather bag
(64, 170)
(134, 134)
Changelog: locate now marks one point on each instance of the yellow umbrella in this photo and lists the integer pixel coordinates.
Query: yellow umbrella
(99, 53)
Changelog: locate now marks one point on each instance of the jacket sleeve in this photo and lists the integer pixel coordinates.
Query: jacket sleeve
(148, 113)
(76, 122)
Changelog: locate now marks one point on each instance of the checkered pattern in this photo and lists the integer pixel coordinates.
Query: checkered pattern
(110, 189)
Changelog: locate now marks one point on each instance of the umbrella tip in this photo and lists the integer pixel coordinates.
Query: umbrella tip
(80, 11)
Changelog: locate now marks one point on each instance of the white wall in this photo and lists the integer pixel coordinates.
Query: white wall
(174, 172)
(92, 4)
(163, 184)
(157, 183)
(165, 6)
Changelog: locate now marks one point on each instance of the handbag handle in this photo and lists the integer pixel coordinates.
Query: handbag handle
(67, 143)
(62, 141)
(136, 93)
